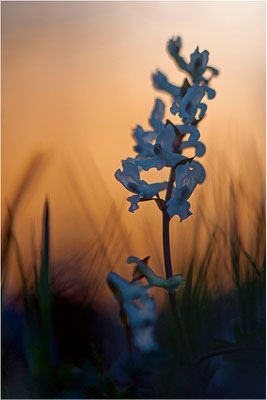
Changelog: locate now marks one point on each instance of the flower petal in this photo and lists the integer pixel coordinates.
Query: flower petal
(134, 200)
(176, 207)
(166, 138)
(192, 130)
(200, 148)
(125, 291)
(144, 339)
(198, 171)
(203, 108)
(174, 108)
(157, 115)
(152, 162)
(210, 92)
(160, 82)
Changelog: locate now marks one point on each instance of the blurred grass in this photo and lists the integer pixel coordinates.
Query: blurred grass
(222, 254)
(29, 176)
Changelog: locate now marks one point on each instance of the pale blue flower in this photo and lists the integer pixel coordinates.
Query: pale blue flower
(192, 130)
(174, 108)
(163, 152)
(198, 171)
(161, 82)
(190, 104)
(141, 318)
(187, 177)
(146, 139)
(198, 64)
(210, 92)
(143, 315)
(125, 291)
(157, 115)
(143, 139)
(156, 121)
(174, 46)
(144, 339)
(200, 148)
(163, 149)
(130, 179)
(175, 206)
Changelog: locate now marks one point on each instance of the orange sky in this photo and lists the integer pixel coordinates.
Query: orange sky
(76, 78)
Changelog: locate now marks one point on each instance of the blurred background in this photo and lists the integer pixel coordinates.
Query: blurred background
(76, 80)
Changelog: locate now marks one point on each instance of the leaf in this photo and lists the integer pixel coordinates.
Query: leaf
(185, 161)
(137, 275)
(161, 204)
(176, 130)
(185, 87)
(44, 293)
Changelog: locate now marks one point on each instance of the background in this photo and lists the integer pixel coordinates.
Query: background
(76, 79)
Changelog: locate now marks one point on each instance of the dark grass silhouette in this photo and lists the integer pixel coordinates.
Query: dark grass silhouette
(57, 344)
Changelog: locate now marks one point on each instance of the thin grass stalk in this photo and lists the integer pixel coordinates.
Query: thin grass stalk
(6, 242)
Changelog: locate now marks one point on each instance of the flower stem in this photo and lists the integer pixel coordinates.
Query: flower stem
(129, 339)
(168, 270)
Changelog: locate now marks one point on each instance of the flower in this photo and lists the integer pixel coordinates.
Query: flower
(160, 82)
(157, 115)
(163, 145)
(146, 141)
(156, 121)
(144, 339)
(178, 206)
(198, 64)
(143, 315)
(187, 177)
(164, 155)
(190, 103)
(143, 139)
(158, 148)
(170, 284)
(130, 179)
(200, 148)
(174, 46)
(140, 318)
(125, 291)
(163, 152)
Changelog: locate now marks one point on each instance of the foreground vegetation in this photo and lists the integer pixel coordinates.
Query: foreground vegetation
(57, 346)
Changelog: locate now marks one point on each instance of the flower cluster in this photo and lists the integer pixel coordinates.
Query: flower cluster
(140, 318)
(137, 308)
(163, 145)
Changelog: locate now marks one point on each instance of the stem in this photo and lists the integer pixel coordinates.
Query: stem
(168, 266)
(129, 339)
